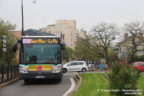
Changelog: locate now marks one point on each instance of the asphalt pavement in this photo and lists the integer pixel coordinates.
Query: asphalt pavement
(38, 88)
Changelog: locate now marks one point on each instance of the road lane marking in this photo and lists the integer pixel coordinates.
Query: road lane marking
(71, 88)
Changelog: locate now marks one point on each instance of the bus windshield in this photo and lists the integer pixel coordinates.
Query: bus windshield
(41, 53)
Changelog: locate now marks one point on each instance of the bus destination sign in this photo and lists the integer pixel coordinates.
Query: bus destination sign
(41, 41)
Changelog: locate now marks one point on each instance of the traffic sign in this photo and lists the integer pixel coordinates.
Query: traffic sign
(4, 49)
(4, 43)
(4, 36)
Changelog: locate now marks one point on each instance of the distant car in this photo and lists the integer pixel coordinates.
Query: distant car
(75, 66)
(139, 66)
(90, 65)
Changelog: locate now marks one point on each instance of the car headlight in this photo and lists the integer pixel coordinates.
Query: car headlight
(57, 68)
(23, 69)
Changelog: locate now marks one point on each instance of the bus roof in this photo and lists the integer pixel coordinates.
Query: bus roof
(40, 37)
(33, 32)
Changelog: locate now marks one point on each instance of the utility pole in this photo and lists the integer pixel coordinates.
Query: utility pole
(22, 14)
(22, 17)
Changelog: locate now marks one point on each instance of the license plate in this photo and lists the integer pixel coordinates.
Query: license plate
(40, 68)
(40, 77)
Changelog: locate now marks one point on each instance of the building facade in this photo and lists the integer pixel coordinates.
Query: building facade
(68, 28)
(126, 45)
(17, 36)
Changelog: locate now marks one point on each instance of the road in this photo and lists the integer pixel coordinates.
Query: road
(43, 88)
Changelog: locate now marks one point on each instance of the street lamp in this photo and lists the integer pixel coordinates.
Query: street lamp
(22, 18)
(22, 14)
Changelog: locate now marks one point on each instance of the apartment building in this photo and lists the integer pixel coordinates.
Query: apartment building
(125, 46)
(68, 28)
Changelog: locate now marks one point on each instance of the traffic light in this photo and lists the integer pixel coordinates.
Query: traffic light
(4, 43)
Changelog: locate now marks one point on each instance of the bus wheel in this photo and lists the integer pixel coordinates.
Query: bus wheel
(59, 79)
(26, 81)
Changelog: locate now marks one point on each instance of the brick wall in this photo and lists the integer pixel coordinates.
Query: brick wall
(18, 36)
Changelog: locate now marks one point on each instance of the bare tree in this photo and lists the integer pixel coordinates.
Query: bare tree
(134, 29)
(104, 34)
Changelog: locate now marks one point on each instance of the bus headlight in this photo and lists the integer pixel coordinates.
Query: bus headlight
(23, 69)
(57, 69)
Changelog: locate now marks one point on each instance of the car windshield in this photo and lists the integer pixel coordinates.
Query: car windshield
(41, 53)
(142, 64)
(135, 63)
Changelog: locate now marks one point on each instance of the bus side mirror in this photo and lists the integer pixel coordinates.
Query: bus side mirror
(16, 45)
(62, 46)
(14, 48)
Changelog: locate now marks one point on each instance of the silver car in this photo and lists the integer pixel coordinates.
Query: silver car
(75, 66)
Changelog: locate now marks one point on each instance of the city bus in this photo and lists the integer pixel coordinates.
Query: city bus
(40, 57)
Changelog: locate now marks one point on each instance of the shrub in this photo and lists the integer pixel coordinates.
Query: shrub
(122, 76)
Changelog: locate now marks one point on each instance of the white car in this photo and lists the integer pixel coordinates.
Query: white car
(75, 66)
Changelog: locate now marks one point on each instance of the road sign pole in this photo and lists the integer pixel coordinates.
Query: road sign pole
(4, 57)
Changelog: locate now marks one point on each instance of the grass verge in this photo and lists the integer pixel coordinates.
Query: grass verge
(140, 83)
(91, 83)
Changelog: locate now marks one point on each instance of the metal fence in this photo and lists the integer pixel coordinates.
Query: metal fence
(8, 72)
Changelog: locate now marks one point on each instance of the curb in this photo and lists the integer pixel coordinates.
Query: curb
(71, 88)
(9, 82)
(77, 80)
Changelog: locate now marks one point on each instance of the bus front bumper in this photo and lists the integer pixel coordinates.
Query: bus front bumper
(40, 75)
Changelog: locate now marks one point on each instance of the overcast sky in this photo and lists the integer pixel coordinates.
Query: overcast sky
(87, 13)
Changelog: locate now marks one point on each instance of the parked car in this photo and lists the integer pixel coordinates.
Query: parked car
(76, 66)
(139, 66)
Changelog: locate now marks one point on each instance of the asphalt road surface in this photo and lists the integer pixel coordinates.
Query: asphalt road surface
(38, 88)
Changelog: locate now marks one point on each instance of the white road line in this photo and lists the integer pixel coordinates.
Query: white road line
(71, 88)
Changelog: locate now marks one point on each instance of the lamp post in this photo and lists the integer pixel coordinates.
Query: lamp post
(22, 14)
(22, 18)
